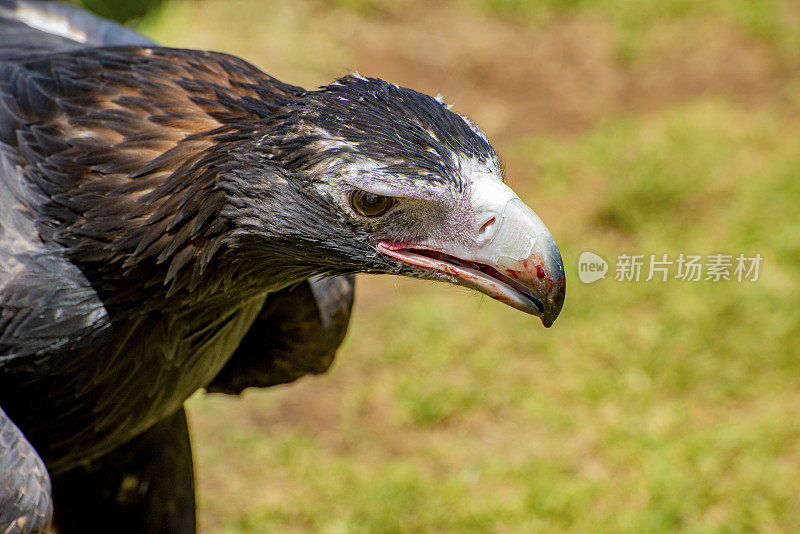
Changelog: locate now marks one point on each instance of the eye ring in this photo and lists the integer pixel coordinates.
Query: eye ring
(369, 204)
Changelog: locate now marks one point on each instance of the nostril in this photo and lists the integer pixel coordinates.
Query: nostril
(486, 229)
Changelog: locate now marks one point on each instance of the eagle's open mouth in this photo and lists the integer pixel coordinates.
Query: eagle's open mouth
(478, 276)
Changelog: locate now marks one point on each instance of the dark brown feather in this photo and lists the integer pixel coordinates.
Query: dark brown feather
(136, 134)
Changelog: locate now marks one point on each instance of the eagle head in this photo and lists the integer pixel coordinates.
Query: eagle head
(367, 176)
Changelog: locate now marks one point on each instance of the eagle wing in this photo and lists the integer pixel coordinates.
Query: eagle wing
(46, 302)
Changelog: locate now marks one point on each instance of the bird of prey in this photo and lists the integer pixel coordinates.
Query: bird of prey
(173, 220)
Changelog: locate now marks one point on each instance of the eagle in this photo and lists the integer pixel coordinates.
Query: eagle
(175, 220)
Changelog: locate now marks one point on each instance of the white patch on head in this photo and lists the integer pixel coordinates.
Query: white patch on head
(478, 169)
(49, 23)
(474, 168)
(365, 174)
(365, 170)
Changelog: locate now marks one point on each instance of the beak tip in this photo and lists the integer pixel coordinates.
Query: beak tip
(554, 304)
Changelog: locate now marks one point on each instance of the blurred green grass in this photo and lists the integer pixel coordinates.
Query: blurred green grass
(650, 406)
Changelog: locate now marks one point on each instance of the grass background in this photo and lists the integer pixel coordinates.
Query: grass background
(630, 127)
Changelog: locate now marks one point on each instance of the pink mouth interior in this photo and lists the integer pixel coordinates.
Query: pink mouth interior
(479, 276)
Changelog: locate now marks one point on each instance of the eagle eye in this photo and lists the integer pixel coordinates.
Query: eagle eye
(370, 204)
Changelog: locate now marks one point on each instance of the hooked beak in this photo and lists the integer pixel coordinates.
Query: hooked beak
(510, 255)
